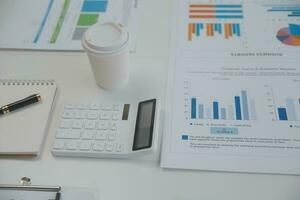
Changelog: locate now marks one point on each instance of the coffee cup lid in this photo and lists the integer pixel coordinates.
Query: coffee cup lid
(109, 36)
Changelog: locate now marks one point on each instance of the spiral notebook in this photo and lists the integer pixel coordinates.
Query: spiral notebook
(22, 131)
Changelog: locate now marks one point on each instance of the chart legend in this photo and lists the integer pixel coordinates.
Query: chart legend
(289, 10)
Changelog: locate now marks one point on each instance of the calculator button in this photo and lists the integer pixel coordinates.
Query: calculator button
(61, 134)
(104, 116)
(71, 145)
(81, 106)
(74, 134)
(65, 124)
(115, 116)
(77, 124)
(113, 126)
(80, 114)
(59, 144)
(98, 146)
(111, 137)
(64, 134)
(117, 107)
(106, 107)
(85, 145)
(100, 136)
(109, 147)
(69, 106)
(90, 124)
(92, 115)
(67, 114)
(88, 135)
(103, 126)
(94, 106)
(119, 147)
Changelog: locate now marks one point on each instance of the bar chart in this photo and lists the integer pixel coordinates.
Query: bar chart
(241, 107)
(283, 104)
(215, 11)
(60, 21)
(43, 22)
(214, 21)
(289, 10)
(60, 24)
(228, 30)
(89, 15)
(288, 112)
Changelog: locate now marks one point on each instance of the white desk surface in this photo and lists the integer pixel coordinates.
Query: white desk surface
(127, 179)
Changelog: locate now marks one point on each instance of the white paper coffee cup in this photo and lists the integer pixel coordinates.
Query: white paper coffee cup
(107, 46)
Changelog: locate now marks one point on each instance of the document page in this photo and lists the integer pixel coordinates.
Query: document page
(59, 24)
(233, 101)
(67, 193)
(26, 195)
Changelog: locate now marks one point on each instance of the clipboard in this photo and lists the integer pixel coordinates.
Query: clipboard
(26, 191)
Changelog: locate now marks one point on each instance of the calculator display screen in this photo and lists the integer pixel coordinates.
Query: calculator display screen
(144, 125)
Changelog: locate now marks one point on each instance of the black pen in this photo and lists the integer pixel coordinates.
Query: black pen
(20, 104)
(57, 197)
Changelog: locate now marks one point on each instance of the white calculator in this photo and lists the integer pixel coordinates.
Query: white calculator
(115, 130)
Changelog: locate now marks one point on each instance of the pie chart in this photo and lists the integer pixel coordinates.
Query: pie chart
(289, 35)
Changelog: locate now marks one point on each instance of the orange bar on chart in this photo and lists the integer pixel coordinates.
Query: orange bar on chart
(202, 11)
(202, 16)
(207, 30)
(190, 32)
(226, 31)
(194, 28)
(230, 30)
(201, 6)
(211, 29)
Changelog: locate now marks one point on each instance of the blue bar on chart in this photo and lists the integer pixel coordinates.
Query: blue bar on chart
(216, 110)
(94, 6)
(294, 15)
(236, 30)
(42, 25)
(228, 6)
(291, 10)
(238, 112)
(229, 17)
(193, 108)
(282, 114)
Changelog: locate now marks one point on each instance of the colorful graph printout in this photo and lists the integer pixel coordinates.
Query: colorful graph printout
(289, 35)
(228, 30)
(219, 11)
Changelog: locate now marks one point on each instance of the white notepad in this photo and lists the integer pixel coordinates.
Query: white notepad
(22, 131)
